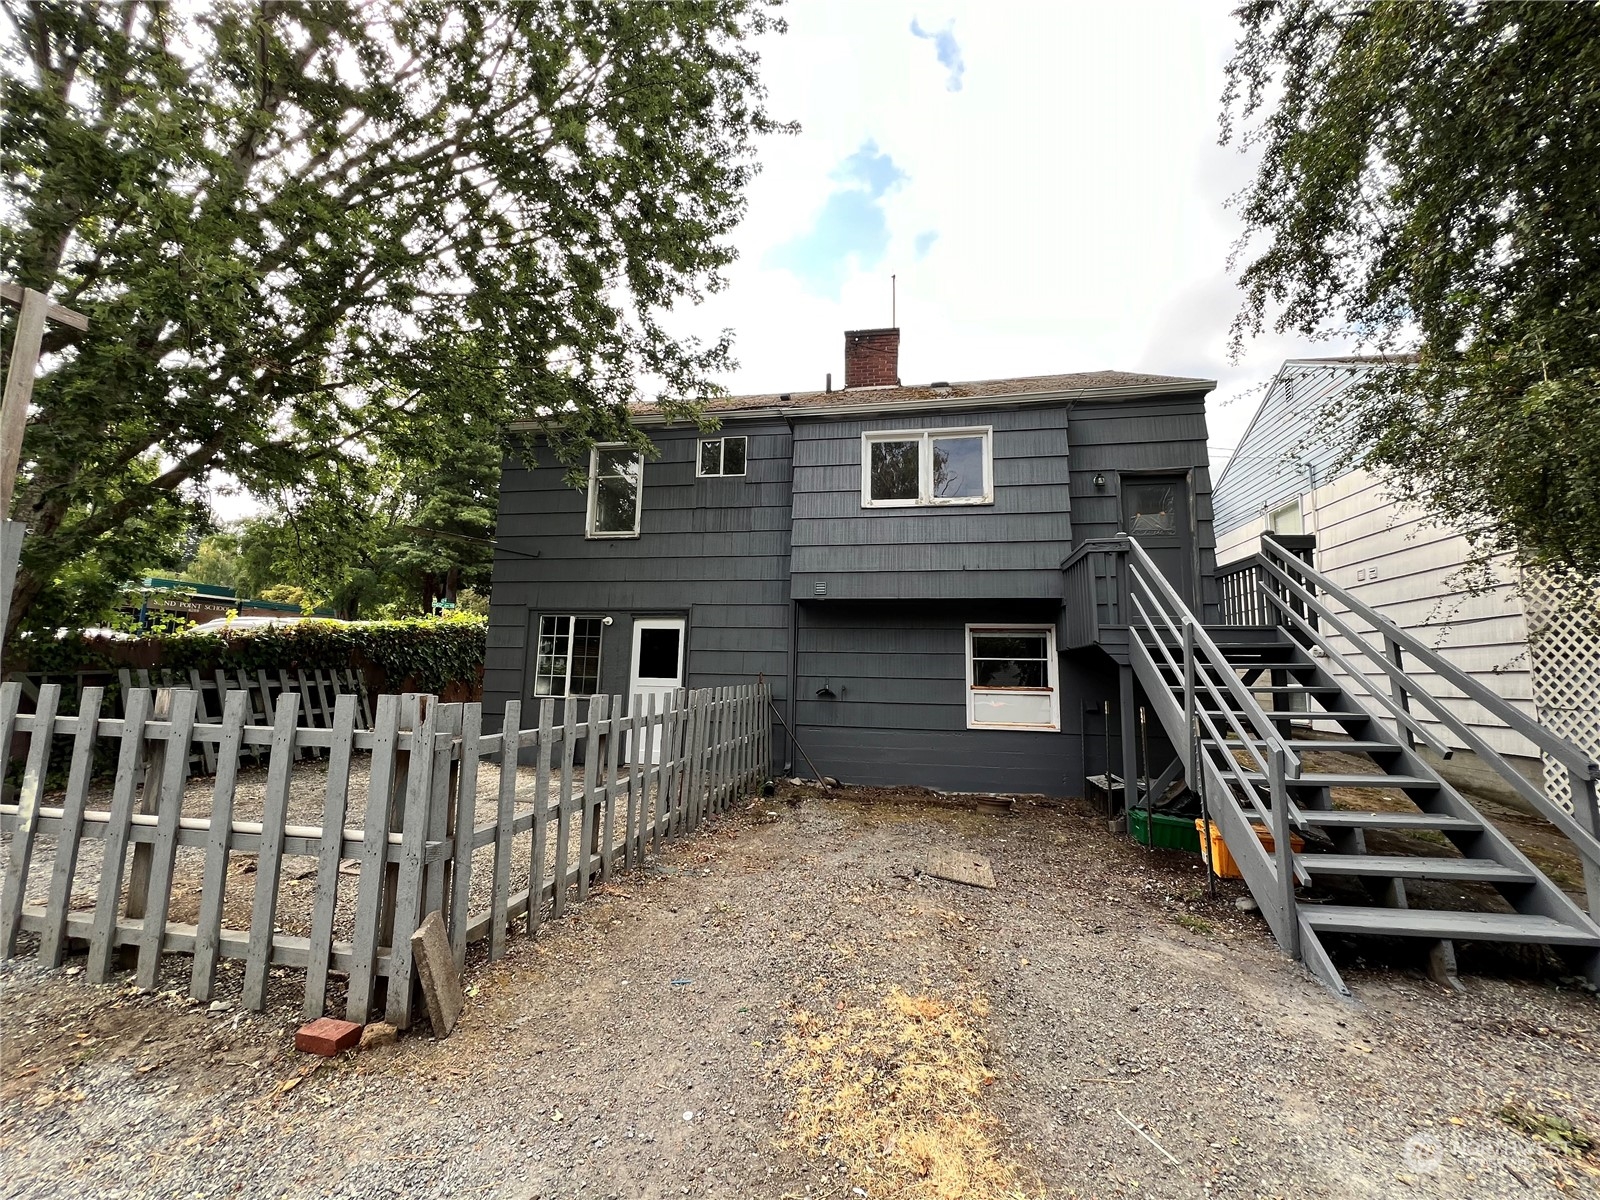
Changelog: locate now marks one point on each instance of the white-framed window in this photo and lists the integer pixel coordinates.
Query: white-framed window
(721, 456)
(1286, 518)
(569, 656)
(1013, 677)
(903, 468)
(616, 491)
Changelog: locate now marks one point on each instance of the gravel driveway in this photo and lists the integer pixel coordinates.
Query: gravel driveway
(631, 1050)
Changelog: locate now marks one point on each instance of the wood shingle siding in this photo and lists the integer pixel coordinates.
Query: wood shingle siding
(1008, 549)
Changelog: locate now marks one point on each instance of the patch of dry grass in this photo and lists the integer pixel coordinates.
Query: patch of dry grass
(895, 1090)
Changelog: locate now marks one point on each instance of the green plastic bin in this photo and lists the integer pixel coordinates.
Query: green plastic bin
(1162, 831)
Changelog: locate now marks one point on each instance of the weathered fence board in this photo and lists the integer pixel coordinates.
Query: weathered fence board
(689, 755)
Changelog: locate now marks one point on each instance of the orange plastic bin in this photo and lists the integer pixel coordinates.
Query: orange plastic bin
(1217, 851)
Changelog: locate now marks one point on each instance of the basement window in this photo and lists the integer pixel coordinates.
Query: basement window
(1012, 677)
(721, 456)
(569, 656)
(902, 469)
(616, 490)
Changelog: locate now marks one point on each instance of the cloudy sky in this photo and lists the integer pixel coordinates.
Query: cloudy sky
(1043, 179)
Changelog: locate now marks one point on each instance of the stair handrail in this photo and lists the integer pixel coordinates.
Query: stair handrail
(1581, 769)
(1278, 764)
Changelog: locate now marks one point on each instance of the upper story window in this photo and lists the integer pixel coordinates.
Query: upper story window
(616, 491)
(927, 466)
(1286, 518)
(721, 456)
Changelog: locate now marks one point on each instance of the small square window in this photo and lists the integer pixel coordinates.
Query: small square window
(721, 456)
(1012, 677)
(926, 467)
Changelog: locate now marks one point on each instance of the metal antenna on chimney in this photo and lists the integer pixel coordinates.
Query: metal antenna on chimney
(892, 324)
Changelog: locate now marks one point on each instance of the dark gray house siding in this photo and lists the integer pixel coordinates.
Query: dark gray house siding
(885, 640)
(715, 551)
(1165, 436)
(1011, 548)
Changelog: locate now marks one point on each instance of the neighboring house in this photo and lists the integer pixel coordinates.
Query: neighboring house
(1287, 475)
(887, 557)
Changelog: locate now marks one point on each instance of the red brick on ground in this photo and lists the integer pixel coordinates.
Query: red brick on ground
(327, 1036)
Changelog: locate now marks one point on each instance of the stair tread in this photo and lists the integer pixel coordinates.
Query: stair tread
(1341, 818)
(1467, 926)
(1319, 779)
(1336, 747)
(1404, 866)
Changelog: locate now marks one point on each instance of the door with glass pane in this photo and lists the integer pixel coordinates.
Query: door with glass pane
(1156, 511)
(657, 667)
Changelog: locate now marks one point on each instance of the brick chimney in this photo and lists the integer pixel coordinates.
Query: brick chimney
(871, 358)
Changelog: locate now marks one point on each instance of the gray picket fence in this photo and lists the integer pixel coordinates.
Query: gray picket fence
(423, 812)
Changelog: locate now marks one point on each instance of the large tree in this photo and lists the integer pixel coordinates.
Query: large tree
(298, 228)
(1428, 183)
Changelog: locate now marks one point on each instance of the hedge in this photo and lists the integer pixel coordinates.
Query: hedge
(425, 654)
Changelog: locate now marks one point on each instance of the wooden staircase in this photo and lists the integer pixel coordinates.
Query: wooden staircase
(1409, 798)
(1407, 855)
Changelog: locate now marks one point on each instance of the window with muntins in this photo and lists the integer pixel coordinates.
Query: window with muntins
(1012, 677)
(905, 468)
(616, 491)
(569, 657)
(721, 456)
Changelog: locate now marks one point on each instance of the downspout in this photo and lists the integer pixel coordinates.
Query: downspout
(794, 620)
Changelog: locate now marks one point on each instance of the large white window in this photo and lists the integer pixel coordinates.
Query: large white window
(721, 456)
(616, 491)
(902, 468)
(569, 656)
(1012, 677)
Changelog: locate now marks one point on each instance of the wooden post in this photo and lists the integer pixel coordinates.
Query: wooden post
(1586, 811)
(569, 738)
(465, 818)
(214, 877)
(154, 768)
(1130, 739)
(54, 939)
(374, 855)
(164, 850)
(329, 851)
(33, 777)
(269, 857)
(593, 791)
(409, 879)
(608, 832)
(541, 811)
(505, 815)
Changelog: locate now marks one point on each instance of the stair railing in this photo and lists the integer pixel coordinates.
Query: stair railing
(1155, 609)
(1298, 584)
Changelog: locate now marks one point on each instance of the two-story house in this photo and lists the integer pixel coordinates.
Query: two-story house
(887, 556)
(974, 586)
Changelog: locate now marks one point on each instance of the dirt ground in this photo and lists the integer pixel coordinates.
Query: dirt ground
(632, 1049)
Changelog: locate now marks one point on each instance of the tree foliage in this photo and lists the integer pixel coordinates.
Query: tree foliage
(302, 230)
(1427, 184)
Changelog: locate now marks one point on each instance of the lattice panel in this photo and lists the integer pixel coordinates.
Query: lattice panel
(1565, 653)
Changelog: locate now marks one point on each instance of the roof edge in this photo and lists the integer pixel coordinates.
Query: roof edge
(933, 404)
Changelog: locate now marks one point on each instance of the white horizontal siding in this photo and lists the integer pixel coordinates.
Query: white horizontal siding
(1411, 570)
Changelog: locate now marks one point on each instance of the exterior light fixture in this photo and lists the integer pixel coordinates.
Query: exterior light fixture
(1100, 480)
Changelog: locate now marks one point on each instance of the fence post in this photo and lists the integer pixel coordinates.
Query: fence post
(119, 822)
(164, 850)
(54, 938)
(33, 776)
(442, 770)
(154, 768)
(330, 849)
(465, 817)
(409, 883)
(593, 790)
(541, 811)
(269, 858)
(638, 772)
(608, 820)
(569, 737)
(1283, 852)
(374, 859)
(505, 815)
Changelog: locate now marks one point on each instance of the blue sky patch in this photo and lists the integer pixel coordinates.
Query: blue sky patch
(924, 242)
(948, 50)
(850, 231)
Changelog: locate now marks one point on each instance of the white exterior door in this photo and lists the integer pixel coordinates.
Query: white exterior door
(657, 668)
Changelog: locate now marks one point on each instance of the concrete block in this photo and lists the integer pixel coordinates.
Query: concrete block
(436, 967)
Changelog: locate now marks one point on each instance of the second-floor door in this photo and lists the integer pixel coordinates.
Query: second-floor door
(1157, 512)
